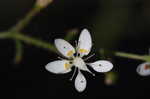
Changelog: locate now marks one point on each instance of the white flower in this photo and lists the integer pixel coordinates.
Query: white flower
(143, 69)
(75, 58)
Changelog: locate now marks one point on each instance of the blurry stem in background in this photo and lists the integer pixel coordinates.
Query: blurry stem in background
(19, 52)
(4, 35)
(28, 40)
(43, 3)
(34, 41)
(125, 55)
(25, 21)
(18, 55)
(18, 27)
(133, 56)
(39, 4)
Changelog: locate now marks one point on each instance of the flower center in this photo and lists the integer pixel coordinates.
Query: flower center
(78, 62)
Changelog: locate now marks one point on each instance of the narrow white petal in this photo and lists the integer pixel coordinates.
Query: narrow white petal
(101, 66)
(64, 48)
(84, 43)
(58, 67)
(143, 69)
(80, 82)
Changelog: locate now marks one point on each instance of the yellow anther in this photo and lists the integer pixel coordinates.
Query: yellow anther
(70, 53)
(83, 51)
(67, 66)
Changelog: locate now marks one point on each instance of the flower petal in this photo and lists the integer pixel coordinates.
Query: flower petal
(64, 48)
(143, 69)
(80, 82)
(101, 66)
(84, 43)
(59, 67)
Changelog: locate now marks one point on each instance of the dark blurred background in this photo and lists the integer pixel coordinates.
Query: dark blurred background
(122, 25)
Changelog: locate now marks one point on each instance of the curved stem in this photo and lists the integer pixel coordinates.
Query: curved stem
(4, 35)
(18, 27)
(22, 23)
(16, 36)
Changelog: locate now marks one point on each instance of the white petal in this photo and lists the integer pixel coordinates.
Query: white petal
(144, 69)
(80, 82)
(58, 67)
(101, 66)
(64, 48)
(84, 43)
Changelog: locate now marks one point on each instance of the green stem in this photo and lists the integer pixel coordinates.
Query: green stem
(22, 23)
(28, 40)
(18, 27)
(4, 35)
(34, 41)
(19, 37)
(129, 55)
(19, 52)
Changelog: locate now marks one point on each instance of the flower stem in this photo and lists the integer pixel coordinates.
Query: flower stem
(4, 35)
(22, 23)
(129, 55)
(14, 33)
(19, 52)
(20, 26)
(34, 41)
(28, 40)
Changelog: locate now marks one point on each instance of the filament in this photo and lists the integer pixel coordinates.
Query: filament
(60, 58)
(89, 57)
(91, 72)
(75, 69)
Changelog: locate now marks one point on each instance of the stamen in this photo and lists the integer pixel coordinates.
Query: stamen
(60, 58)
(91, 73)
(77, 47)
(78, 54)
(75, 69)
(76, 43)
(89, 57)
